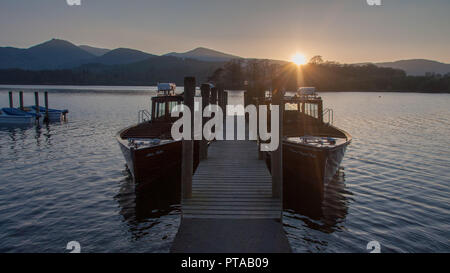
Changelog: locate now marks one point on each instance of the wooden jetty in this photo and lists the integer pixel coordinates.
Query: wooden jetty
(231, 204)
(36, 110)
(232, 184)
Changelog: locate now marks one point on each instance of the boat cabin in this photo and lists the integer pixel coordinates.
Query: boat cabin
(162, 107)
(305, 100)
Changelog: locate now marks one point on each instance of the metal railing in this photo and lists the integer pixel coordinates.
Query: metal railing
(143, 116)
(330, 116)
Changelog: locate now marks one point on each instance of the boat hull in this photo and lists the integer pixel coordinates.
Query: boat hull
(16, 120)
(308, 170)
(157, 167)
(53, 115)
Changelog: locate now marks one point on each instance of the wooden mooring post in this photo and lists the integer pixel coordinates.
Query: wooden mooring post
(221, 96)
(213, 99)
(21, 100)
(187, 168)
(258, 137)
(46, 118)
(11, 102)
(36, 102)
(277, 155)
(206, 92)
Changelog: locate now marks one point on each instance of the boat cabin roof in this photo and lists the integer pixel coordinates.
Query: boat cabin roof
(166, 86)
(163, 99)
(294, 99)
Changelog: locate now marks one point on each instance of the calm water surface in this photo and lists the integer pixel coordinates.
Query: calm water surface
(68, 181)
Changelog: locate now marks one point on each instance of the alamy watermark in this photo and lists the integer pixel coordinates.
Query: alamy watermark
(74, 246)
(271, 139)
(374, 246)
(373, 2)
(73, 2)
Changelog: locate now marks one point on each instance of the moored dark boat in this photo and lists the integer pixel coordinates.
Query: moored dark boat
(152, 156)
(312, 149)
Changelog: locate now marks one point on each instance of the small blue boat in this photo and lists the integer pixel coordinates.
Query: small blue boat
(53, 114)
(42, 110)
(12, 116)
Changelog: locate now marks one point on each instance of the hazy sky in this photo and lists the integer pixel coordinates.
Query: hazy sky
(339, 30)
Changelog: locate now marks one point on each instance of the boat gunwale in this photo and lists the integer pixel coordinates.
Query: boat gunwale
(348, 140)
(124, 142)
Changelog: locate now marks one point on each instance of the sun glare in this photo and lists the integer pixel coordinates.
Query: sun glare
(299, 59)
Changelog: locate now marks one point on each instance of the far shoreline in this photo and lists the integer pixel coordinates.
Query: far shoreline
(152, 88)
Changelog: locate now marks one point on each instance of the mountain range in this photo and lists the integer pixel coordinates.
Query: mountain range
(204, 54)
(95, 50)
(61, 54)
(418, 67)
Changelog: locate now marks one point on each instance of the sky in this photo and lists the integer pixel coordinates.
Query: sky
(346, 31)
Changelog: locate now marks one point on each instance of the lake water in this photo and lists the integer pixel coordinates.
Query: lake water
(68, 181)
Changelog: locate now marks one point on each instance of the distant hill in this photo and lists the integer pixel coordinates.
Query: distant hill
(122, 56)
(52, 54)
(418, 67)
(60, 54)
(150, 71)
(147, 72)
(95, 50)
(204, 54)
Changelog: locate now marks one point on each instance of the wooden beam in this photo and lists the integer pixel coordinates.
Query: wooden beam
(206, 94)
(277, 155)
(11, 102)
(213, 98)
(21, 100)
(187, 168)
(36, 102)
(46, 105)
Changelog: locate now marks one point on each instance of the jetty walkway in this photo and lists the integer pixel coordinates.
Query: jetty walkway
(231, 209)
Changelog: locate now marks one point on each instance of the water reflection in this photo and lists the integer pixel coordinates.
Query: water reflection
(324, 216)
(142, 209)
(42, 131)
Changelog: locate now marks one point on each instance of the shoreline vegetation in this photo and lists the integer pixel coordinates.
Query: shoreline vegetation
(254, 75)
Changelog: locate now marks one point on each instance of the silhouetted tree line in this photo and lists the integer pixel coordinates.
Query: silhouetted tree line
(149, 72)
(254, 75)
(257, 76)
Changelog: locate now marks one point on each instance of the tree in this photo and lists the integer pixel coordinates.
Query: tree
(316, 60)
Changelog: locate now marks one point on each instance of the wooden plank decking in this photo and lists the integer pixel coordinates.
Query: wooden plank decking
(231, 209)
(232, 184)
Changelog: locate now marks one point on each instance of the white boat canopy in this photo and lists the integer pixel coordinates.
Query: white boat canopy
(307, 91)
(166, 87)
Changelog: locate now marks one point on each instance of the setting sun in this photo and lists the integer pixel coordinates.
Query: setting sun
(299, 59)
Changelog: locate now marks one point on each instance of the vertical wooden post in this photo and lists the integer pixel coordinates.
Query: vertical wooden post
(11, 102)
(221, 100)
(187, 165)
(277, 155)
(213, 99)
(221, 97)
(206, 92)
(46, 105)
(21, 100)
(166, 110)
(258, 139)
(153, 109)
(320, 110)
(36, 103)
